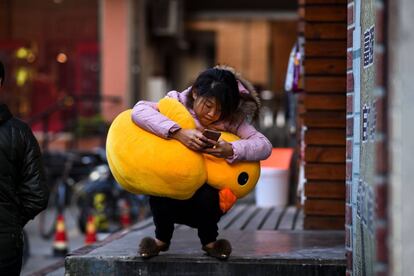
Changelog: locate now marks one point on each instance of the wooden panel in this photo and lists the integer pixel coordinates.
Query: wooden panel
(273, 219)
(299, 220)
(255, 66)
(282, 40)
(329, 66)
(301, 100)
(325, 154)
(325, 189)
(324, 223)
(325, 84)
(231, 216)
(301, 27)
(326, 13)
(325, 102)
(243, 219)
(326, 207)
(325, 137)
(325, 171)
(301, 12)
(202, 25)
(325, 119)
(287, 221)
(230, 34)
(251, 217)
(326, 31)
(252, 39)
(258, 220)
(325, 49)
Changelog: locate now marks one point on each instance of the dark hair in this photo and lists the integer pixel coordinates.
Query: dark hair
(2, 74)
(220, 84)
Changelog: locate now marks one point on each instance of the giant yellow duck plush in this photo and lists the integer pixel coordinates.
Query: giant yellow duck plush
(144, 163)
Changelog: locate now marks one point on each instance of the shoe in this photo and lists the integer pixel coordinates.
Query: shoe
(220, 250)
(148, 248)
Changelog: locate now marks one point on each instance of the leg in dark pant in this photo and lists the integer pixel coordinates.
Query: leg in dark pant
(206, 202)
(162, 212)
(201, 211)
(208, 213)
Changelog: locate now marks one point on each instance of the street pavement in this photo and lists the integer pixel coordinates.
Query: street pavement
(41, 251)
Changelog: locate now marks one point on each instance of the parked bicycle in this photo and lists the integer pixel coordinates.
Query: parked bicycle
(64, 170)
(101, 196)
(83, 182)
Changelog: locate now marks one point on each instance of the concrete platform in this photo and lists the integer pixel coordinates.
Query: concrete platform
(260, 252)
(266, 241)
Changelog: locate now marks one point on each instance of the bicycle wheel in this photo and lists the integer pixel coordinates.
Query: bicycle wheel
(83, 212)
(47, 218)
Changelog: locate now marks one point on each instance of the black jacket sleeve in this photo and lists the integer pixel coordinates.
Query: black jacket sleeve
(33, 191)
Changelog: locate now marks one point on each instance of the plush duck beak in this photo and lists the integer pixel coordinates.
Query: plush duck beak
(227, 199)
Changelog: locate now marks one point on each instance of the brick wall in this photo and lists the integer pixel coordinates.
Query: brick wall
(323, 23)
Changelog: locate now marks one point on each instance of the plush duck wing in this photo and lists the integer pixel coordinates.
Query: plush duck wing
(144, 163)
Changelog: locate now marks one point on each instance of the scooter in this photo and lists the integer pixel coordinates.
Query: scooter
(112, 207)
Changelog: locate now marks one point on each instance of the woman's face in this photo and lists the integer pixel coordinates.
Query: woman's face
(207, 109)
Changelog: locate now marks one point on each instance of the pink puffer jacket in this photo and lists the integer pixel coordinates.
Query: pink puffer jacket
(253, 145)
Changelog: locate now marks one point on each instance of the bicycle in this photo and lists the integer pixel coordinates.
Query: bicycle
(59, 197)
(101, 196)
(65, 171)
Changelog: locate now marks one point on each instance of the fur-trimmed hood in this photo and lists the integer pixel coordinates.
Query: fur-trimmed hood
(249, 101)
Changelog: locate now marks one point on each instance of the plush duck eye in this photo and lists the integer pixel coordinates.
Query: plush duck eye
(243, 178)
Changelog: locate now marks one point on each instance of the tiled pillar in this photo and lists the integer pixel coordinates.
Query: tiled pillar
(350, 99)
(366, 155)
(381, 145)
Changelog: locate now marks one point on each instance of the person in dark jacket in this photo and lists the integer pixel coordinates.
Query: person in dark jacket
(23, 189)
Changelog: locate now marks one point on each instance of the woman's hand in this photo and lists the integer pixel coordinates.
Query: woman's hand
(221, 149)
(191, 138)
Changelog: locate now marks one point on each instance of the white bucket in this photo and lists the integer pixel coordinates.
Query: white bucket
(272, 189)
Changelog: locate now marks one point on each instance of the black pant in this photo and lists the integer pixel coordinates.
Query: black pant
(11, 252)
(201, 211)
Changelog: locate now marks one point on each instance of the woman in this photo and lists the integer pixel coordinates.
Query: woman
(217, 100)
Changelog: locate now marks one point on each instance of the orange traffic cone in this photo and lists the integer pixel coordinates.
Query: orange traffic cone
(60, 244)
(125, 218)
(90, 236)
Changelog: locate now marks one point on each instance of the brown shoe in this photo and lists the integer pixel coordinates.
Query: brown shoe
(220, 250)
(148, 248)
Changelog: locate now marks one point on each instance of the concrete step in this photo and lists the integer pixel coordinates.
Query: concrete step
(254, 253)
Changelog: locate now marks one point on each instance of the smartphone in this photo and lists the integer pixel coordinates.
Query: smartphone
(212, 135)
